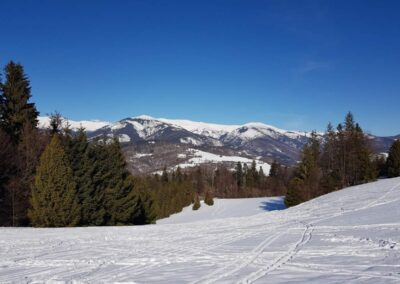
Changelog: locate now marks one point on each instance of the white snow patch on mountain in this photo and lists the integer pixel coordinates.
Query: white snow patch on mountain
(201, 157)
(89, 125)
(123, 138)
(348, 236)
(190, 140)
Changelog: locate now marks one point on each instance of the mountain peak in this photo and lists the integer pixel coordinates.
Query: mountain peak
(144, 117)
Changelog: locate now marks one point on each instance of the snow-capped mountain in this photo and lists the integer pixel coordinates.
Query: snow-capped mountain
(152, 143)
(89, 125)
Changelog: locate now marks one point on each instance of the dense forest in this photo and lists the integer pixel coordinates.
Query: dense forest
(56, 177)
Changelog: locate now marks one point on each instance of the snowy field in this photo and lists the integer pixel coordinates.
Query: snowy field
(350, 236)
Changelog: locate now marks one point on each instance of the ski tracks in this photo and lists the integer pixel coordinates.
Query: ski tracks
(235, 267)
(282, 259)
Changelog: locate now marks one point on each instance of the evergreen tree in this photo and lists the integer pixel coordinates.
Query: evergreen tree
(16, 108)
(274, 171)
(196, 204)
(164, 176)
(121, 200)
(7, 170)
(208, 199)
(54, 201)
(305, 185)
(239, 175)
(86, 166)
(393, 160)
(56, 123)
(295, 194)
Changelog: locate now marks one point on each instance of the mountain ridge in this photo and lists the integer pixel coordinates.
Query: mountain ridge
(150, 144)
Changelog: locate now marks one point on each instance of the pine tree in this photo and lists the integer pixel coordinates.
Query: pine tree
(295, 194)
(54, 201)
(393, 160)
(274, 171)
(164, 175)
(305, 185)
(239, 175)
(121, 200)
(196, 204)
(85, 165)
(16, 108)
(7, 171)
(56, 123)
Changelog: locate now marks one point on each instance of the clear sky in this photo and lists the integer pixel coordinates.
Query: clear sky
(293, 64)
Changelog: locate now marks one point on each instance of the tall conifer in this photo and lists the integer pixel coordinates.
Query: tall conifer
(54, 201)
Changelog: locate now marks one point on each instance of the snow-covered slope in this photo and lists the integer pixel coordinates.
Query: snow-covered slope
(226, 208)
(200, 157)
(349, 236)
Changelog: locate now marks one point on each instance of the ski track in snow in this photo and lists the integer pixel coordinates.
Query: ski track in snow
(351, 236)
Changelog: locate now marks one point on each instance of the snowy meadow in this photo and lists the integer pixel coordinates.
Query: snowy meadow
(351, 236)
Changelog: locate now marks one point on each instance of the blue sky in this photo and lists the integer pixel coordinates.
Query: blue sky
(292, 64)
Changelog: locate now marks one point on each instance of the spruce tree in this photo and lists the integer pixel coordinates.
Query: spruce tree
(54, 201)
(196, 204)
(16, 108)
(393, 160)
(7, 171)
(164, 176)
(239, 175)
(121, 200)
(305, 185)
(208, 199)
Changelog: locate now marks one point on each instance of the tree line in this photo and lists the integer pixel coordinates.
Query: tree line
(56, 177)
(340, 158)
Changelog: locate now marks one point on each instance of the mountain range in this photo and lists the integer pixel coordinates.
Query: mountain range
(150, 144)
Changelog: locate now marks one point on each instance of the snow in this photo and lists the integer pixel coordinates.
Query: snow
(141, 155)
(89, 125)
(213, 130)
(226, 208)
(147, 125)
(190, 140)
(207, 129)
(349, 236)
(201, 157)
(124, 138)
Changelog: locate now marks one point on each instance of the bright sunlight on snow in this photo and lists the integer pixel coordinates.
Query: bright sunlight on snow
(352, 235)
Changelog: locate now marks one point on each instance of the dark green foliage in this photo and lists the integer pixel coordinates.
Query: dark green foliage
(18, 119)
(170, 197)
(120, 199)
(208, 199)
(54, 201)
(305, 185)
(16, 110)
(7, 169)
(239, 174)
(343, 160)
(295, 193)
(56, 123)
(196, 204)
(393, 160)
(86, 163)
(164, 176)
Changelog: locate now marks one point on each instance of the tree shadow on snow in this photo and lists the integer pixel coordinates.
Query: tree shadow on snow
(272, 205)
